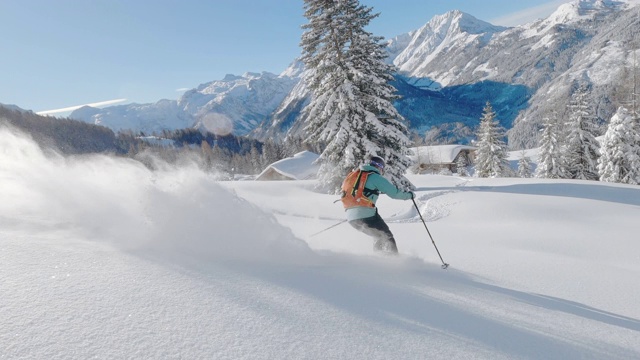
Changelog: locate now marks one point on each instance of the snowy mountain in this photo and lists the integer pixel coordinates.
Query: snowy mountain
(448, 69)
(285, 118)
(246, 100)
(587, 40)
(437, 44)
(103, 258)
(147, 118)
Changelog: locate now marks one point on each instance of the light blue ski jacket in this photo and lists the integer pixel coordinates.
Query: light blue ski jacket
(375, 181)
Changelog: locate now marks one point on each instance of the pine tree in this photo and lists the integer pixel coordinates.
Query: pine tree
(351, 108)
(551, 163)
(255, 160)
(207, 155)
(524, 166)
(271, 152)
(461, 165)
(620, 152)
(222, 161)
(582, 149)
(491, 156)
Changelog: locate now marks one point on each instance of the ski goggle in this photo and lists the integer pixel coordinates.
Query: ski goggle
(377, 164)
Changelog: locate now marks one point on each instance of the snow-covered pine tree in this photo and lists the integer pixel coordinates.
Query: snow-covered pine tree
(351, 109)
(491, 155)
(582, 149)
(524, 165)
(255, 160)
(461, 165)
(207, 155)
(272, 152)
(619, 161)
(551, 163)
(384, 130)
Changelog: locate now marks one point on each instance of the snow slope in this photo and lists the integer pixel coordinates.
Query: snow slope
(102, 258)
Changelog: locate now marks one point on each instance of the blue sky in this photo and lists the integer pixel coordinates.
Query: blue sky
(64, 53)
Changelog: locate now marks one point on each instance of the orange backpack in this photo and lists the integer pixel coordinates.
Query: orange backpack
(353, 190)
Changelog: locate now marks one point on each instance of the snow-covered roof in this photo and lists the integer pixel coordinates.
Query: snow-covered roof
(298, 167)
(437, 154)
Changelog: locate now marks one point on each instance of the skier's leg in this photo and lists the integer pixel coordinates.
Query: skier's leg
(376, 227)
(384, 235)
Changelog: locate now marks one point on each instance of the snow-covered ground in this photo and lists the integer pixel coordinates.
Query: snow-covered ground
(101, 258)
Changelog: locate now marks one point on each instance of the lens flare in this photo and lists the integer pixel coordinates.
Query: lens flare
(217, 123)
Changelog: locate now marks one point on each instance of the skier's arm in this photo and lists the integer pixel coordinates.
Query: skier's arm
(386, 187)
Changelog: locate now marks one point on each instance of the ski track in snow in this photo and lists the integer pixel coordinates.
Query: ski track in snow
(299, 215)
(431, 208)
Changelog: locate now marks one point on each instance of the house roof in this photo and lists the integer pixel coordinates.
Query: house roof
(298, 167)
(437, 154)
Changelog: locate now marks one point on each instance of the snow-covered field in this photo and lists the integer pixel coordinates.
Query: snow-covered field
(101, 258)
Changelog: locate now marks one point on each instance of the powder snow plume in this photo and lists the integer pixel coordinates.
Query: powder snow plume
(181, 211)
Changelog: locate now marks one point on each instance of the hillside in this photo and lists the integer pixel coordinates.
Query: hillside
(104, 258)
(66, 135)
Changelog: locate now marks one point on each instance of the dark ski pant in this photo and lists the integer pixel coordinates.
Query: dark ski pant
(376, 227)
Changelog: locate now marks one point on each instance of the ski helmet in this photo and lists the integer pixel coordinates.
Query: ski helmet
(377, 162)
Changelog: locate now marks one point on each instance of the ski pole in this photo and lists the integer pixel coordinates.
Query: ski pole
(444, 265)
(330, 227)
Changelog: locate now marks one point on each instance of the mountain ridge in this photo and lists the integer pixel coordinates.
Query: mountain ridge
(527, 72)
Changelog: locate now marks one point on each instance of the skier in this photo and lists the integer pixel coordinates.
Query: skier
(360, 190)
